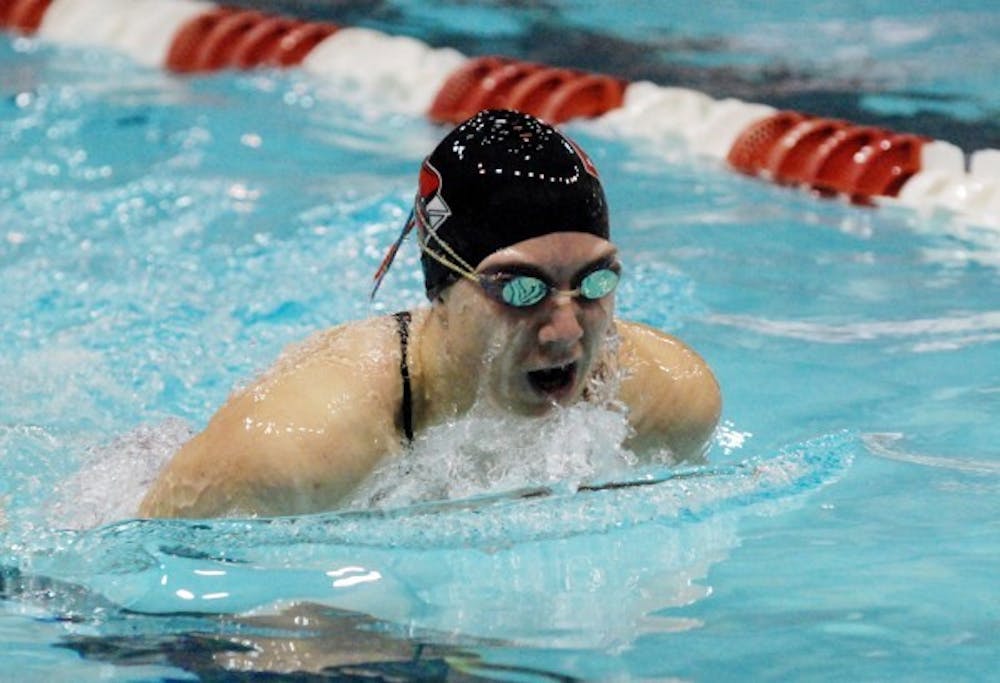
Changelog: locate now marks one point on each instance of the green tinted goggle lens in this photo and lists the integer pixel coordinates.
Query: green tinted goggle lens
(599, 284)
(526, 290)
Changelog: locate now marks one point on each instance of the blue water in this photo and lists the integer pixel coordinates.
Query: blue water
(162, 239)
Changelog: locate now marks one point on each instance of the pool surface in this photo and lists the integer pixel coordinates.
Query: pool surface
(163, 238)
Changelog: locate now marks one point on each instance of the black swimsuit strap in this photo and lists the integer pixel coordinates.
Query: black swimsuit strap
(403, 327)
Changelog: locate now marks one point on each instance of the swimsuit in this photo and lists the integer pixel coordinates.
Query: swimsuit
(403, 328)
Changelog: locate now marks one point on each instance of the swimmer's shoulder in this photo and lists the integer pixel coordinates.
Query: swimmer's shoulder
(641, 343)
(299, 437)
(351, 369)
(672, 393)
(345, 378)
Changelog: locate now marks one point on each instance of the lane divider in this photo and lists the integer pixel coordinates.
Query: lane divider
(556, 95)
(25, 15)
(829, 157)
(229, 38)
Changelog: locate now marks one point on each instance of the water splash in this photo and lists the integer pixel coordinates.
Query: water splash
(604, 561)
(114, 477)
(484, 453)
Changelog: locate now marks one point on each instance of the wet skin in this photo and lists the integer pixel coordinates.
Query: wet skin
(307, 432)
(514, 347)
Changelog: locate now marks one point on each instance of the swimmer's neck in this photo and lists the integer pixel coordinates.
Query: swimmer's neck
(443, 378)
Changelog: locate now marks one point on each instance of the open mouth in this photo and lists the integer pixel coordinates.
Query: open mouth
(553, 381)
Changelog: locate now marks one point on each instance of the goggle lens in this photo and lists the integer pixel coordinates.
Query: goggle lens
(599, 284)
(524, 290)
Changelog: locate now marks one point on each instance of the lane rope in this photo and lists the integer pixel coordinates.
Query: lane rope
(830, 157)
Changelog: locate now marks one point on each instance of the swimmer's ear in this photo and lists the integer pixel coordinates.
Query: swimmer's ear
(391, 254)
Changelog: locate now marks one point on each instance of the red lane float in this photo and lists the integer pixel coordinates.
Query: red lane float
(299, 42)
(24, 16)
(469, 86)
(260, 42)
(793, 157)
(226, 37)
(897, 160)
(217, 46)
(828, 155)
(750, 151)
(556, 95)
(183, 54)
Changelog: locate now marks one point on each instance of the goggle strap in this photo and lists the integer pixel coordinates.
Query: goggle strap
(431, 231)
(445, 262)
(460, 267)
(391, 255)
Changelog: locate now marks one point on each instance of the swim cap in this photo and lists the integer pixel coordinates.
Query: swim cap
(497, 179)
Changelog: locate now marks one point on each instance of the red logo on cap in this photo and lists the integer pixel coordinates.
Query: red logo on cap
(429, 183)
(430, 180)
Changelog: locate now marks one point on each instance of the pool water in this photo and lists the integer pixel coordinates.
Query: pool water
(163, 239)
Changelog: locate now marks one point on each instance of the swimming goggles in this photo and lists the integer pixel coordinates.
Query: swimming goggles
(520, 287)
(524, 288)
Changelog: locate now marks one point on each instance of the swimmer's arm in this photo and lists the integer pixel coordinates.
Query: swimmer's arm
(299, 446)
(672, 395)
(278, 458)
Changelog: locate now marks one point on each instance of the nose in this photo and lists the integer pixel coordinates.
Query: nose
(562, 328)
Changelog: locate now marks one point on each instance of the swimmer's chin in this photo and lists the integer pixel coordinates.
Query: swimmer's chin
(537, 393)
(551, 388)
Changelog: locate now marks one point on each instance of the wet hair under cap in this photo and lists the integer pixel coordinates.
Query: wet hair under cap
(497, 179)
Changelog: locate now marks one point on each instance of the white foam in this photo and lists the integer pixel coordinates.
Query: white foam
(114, 477)
(485, 452)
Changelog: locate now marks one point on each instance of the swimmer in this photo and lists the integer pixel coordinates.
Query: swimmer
(511, 220)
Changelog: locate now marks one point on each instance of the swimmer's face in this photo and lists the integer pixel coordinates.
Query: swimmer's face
(538, 356)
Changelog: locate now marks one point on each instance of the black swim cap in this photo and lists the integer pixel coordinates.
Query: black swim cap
(497, 179)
